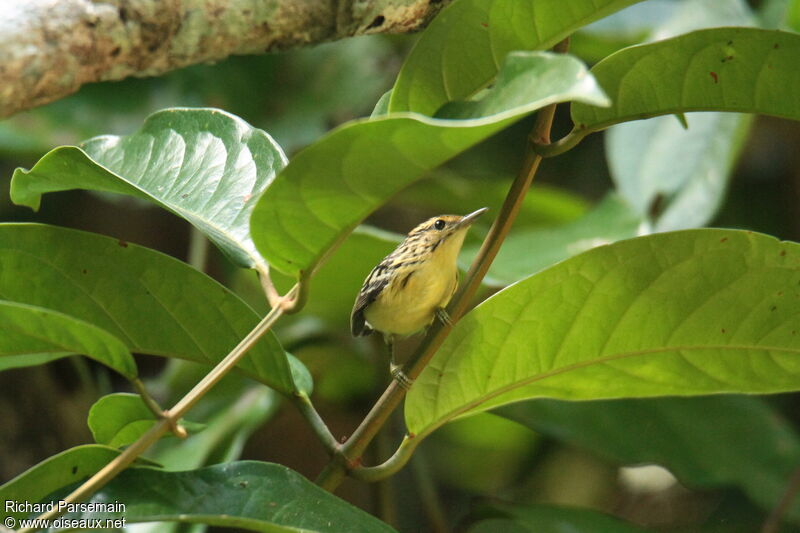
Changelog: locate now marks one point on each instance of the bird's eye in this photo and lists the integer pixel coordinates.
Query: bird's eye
(439, 224)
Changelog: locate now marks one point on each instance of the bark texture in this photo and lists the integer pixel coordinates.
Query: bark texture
(49, 48)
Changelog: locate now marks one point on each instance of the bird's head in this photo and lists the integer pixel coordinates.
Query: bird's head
(450, 229)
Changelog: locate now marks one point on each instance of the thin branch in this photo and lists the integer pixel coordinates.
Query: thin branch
(306, 408)
(52, 48)
(170, 417)
(349, 457)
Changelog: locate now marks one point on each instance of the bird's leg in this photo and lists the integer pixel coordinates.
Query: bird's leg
(443, 316)
(395, 369)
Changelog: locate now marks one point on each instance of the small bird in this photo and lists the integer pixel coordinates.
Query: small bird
(413, 284)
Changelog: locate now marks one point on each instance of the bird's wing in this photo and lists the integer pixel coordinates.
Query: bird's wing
(372, 288)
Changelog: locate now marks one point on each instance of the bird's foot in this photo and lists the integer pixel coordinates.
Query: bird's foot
(444, 317)
(400, 377)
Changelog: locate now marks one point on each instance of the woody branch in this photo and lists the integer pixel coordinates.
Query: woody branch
(49, 48)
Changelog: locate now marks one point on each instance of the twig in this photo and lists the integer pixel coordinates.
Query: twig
(50, 49)
(349, 457)
(122, 461)
(293, 301)
(177, 429)
(306, 408)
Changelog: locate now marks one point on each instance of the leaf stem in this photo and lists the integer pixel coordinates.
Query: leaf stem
(389, 467)
(169, 417)
(290, 304)
(198, 249)
(564, 144)
(306, 408)
(348, 458)
(156, 409)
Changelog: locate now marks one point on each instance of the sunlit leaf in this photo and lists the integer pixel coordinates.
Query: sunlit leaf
(462, 49)
(204, 165)
(683, 313)
(331, 186)
(744, 70)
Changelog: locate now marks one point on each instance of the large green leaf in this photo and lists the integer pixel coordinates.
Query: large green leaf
(53, 473)
(745, 70)
(31, 335)
(153, 303)
(329, 187)
(707, 442)
(680, 192)
(204, 165)
(462, 49)
(246, 495)
(683, 313)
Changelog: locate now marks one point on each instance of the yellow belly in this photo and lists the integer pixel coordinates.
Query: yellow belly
(406, 309)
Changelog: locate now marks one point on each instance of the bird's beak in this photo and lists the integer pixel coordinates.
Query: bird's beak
(467, 220)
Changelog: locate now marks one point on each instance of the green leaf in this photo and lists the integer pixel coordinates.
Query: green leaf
(119, 419)
(745, 70)
(676, 192)
(55, 472)
(153, 303)
(462, 49)
(245, 495)
(683, 313)
(204, 165)
(530, 250)
(514, 518)
(680, 192)
(329, 187)
(31, 335)
(792, 17)
(736, 441)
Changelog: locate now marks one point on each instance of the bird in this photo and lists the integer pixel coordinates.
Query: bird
(412, 286)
